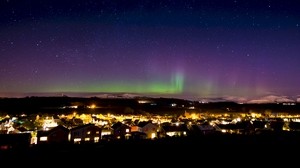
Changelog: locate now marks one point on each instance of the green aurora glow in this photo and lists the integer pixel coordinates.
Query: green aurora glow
(174, 86)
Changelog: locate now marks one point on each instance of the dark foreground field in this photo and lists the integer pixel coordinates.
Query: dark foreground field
(267, 148)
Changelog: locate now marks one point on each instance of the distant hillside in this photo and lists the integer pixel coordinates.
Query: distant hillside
(137, 105)
(69, 104)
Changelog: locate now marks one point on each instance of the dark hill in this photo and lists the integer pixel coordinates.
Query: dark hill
(138, 105)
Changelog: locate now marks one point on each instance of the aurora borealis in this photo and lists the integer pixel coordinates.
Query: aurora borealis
(188, 49)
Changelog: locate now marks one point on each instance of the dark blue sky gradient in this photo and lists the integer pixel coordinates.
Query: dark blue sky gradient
(186, 49)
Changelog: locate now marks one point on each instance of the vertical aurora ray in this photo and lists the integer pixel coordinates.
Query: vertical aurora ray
(177, 82)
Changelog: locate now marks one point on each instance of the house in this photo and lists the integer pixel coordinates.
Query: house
(175, 130)
(206, 128)
(106, 131)
(257, 124)
(277, 124)
(242, 127)
(58, 134)
(150, 129)
(127, 121)
(121, 131)
(138, 135)
(260, 125)
(88, 133)
(22, 130)
(136, 128)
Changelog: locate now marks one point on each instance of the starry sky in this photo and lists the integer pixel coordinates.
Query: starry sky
(172, 48)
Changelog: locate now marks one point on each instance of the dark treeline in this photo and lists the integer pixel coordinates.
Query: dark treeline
(62, 104)
(236, 107)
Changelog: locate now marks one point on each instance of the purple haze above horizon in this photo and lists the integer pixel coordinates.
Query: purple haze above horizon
(185, 49)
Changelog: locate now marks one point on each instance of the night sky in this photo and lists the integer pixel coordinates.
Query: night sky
(187, 49)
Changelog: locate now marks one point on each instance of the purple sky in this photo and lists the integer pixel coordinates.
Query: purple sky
(190, 49)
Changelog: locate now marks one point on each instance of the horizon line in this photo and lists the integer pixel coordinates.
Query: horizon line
(212, 98)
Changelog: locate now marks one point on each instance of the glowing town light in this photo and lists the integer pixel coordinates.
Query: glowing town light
(92, 106)
(44, 138)
(153, 135)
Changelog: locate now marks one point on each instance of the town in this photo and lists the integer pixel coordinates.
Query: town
(95, 120)
(36, 128)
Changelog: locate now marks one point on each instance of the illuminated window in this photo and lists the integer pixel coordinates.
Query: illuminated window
(105, 133)
(171, 133)
(96, 139)
(87, 139)
(127, 130)
(44, 138)
(97, 132)
(89, 132)
(77, 139)
(33, 140)
(153, 135)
